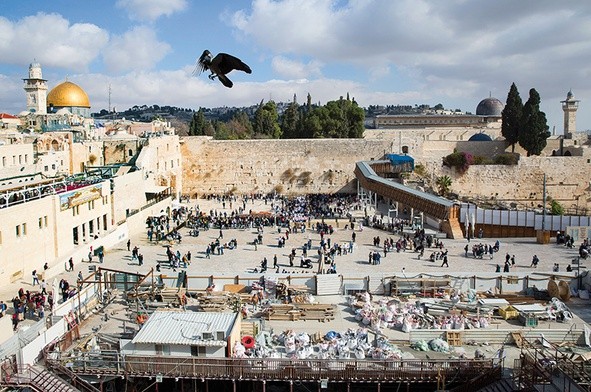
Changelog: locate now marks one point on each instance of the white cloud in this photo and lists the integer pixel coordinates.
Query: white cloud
(488, 45)
(136, 49)
(51, 40)
(150, 10)
(295, 69)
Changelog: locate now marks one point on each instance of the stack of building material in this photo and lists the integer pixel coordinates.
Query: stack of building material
(295, 312)
(217, 301)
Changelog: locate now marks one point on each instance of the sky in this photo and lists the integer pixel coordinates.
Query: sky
(380, 52)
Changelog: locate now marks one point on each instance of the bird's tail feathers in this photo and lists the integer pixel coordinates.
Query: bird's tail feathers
(225, 81)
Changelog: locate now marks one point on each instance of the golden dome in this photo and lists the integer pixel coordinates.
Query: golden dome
(67, 94)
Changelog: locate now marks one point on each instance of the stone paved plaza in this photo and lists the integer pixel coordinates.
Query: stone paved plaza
(245, 258)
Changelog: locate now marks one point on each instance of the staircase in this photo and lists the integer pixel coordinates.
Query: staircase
(38, 380)
(42, 380)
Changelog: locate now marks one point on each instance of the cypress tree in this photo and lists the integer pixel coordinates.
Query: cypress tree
(511, 117)
(534, 130)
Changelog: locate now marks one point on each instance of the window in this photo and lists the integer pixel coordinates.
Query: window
(46, 168)
(75, 235)
(45, 220)
(162, 349)
(21, 230)
(20, 159)
(53, 166)
(207, 336)
(130, 152)
(197, 351)
(3, 161)
(40, 223)
(26, 158)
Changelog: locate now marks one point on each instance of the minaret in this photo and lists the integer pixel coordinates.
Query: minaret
(36, 90)
(570, 106)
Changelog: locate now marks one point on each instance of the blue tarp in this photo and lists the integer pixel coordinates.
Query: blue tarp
(397, 159)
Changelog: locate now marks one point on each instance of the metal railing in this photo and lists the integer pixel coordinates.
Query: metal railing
(271, 369)
(41, 380)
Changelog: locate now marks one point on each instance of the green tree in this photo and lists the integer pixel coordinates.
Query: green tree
(290, 120)
(534, 129)
(266, 123)
(239, 127)
(337, 119)
(443, 184)
(198, 123)
(511, 116)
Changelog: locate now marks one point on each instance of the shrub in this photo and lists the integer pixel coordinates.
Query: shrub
(556, 208)
(480, 160)
(420, 170)
(461, 161)
(506, 159)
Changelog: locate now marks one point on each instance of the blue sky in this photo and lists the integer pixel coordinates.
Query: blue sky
(407, 52)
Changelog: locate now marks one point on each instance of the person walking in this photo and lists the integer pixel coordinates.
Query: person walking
(445, 262)
(128, 245)
(71, 264)
(35, 277)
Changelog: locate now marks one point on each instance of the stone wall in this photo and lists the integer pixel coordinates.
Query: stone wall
(286, 166)
(567, 181)
(326, 166)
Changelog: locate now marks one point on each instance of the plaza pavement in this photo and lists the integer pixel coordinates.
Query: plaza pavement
(245, 258)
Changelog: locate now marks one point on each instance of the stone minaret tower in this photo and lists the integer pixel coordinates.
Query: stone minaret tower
(570, 106)
(36, 90)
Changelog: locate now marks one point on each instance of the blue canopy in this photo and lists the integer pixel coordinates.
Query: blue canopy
(397, 159)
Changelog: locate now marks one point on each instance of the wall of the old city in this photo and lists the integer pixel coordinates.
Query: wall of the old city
(286, 166)
(325, 166)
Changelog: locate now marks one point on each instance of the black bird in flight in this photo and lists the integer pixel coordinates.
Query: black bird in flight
(220, 65)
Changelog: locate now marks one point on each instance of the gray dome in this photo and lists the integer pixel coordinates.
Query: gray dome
(480, 137)
(490, 107)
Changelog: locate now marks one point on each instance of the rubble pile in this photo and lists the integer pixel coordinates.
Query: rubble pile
(407, 316)
(353, 344)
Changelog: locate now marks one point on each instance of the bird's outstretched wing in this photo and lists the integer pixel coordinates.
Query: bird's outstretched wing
(226, 63)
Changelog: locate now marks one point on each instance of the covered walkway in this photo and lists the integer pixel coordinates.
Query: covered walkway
(439, 208)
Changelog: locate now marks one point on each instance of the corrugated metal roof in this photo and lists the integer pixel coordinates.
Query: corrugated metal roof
(185, 328)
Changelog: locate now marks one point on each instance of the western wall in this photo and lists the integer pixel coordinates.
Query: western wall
(326, 166)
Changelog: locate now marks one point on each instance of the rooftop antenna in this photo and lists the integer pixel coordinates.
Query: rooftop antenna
(109, 97)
